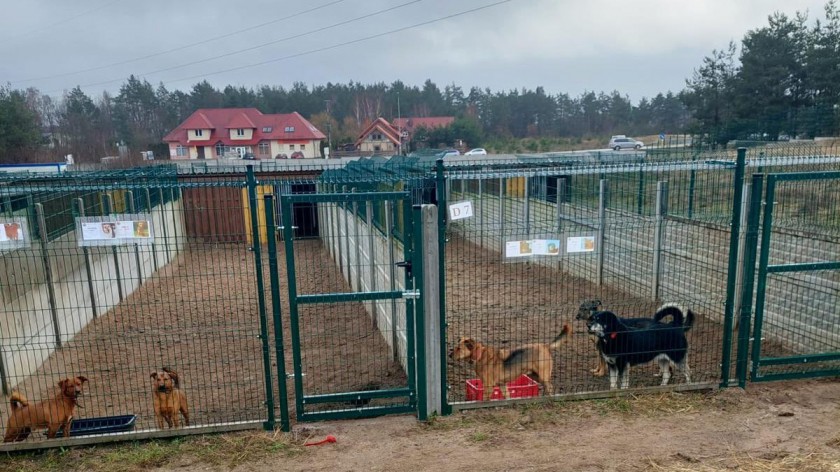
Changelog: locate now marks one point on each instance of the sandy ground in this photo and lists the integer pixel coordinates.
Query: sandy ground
(789, 426)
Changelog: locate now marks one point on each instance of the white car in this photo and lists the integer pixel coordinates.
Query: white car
(476, 152)
(620, 142)
(450, 152)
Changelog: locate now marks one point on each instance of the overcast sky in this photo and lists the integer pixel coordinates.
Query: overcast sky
(637, 47)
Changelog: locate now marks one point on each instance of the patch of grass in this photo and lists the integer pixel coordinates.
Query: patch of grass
(479, 436)
(609, 406)
(772, 462)
(228, 450)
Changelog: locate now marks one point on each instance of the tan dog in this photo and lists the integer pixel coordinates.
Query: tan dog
(497, 367)
(169, 399)
(54, 414)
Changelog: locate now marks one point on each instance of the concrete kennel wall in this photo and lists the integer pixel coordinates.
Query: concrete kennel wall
(366, 259)
(27, 329)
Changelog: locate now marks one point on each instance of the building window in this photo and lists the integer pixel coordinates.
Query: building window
(240, 132)
(376, 136)
(220, 150)
(180, 151)
(199, 133)
(263, 149)
(290, 129)
(291, 147)
(302, 147)
(267, 129)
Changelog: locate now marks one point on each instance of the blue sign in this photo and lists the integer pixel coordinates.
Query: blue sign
(662, 136)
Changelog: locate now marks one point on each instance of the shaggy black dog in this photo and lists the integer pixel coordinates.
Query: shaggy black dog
(623, 346)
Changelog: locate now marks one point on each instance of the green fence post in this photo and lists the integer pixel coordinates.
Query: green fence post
(274, 280)
(251, 183)
(162, 205)
(45, 257)
(132, 209)
(640, 195)
(79, 205)
(107, 208)
(692, 178)
(440, 184)
(748, 283)
(735, 230)
(291, 282)
(151, 211)
(763, 260)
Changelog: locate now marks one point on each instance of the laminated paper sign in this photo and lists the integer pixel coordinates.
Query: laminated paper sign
(461, 210)
(532, 247)
(14, 233)
(114, 230)
(577, 244)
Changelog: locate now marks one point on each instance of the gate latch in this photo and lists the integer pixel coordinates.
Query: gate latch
(405, 265)
(411, 294)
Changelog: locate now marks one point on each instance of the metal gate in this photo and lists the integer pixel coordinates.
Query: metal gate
(796, 331)
(353, 304)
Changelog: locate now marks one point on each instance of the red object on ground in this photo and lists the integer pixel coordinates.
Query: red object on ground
(330, 439)
(522, 387)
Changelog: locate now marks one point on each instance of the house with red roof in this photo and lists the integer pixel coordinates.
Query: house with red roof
(383, 137)
(378, 137)
(216, 133)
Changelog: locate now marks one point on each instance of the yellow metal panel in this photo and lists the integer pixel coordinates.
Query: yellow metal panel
(262, 190)
(516, 187)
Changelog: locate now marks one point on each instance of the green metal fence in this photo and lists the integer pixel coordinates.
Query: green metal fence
(334, 332)
(795, 330)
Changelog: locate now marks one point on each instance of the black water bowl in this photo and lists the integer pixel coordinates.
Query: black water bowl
(102, 425)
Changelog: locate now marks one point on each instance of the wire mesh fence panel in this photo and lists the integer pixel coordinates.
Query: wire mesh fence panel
(117, 286)
(796, 332)
(547, 242)
(351, 328)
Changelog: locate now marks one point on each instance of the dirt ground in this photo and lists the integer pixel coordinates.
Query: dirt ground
(769, 427)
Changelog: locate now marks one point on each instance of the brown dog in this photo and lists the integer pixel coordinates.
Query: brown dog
(497, 367)
(54, 414)
(169, 399)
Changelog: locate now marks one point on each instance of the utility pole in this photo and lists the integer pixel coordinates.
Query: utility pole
(399, 122)
(329, 127)
(329, 137)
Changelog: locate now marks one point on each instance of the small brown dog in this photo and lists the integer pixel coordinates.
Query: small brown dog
(497, 367)
(54, 414)
(169, 399)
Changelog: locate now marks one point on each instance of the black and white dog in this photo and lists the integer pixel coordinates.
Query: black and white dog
(623, 346)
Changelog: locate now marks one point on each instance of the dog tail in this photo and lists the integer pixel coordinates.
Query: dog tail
(564, 333)
(17, 400)
(680, 317)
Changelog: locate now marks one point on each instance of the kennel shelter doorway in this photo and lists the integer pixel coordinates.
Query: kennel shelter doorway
(353, 340)
(304, 214)
(795, 332)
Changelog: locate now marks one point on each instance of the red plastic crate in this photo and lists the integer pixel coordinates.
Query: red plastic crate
(522, 387)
